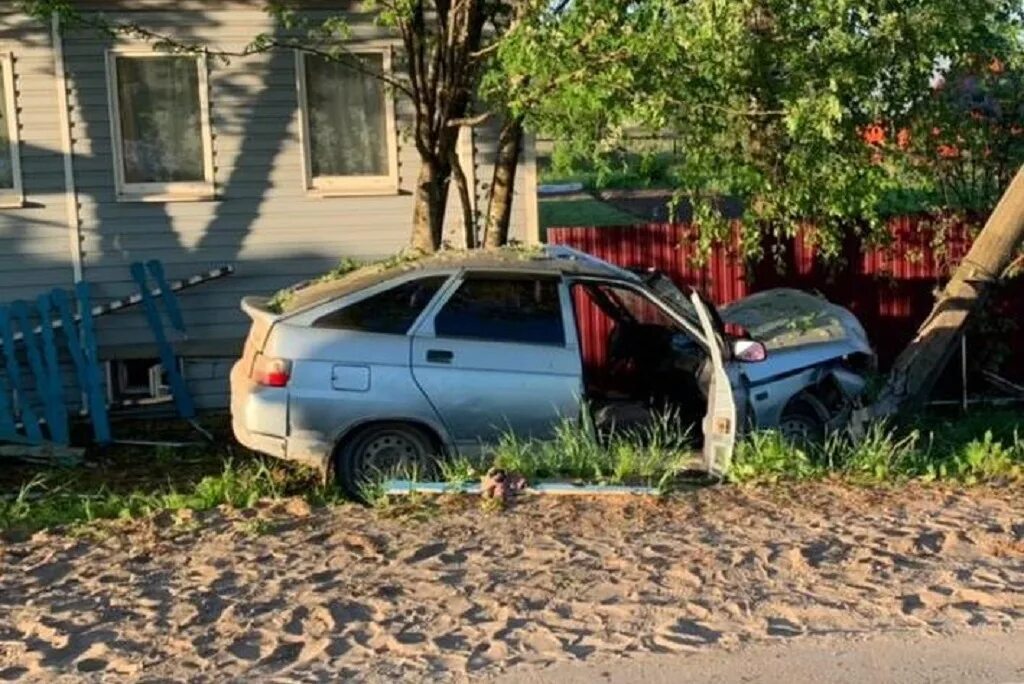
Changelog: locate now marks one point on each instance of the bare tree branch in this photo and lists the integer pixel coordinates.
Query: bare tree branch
(471, 120)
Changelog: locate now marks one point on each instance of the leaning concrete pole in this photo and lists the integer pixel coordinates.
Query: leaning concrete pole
(919, 366)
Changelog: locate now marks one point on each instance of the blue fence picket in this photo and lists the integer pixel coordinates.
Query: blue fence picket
(58, 416)
(28, 415)
(70, 329)
(20, 313)
(8, 425)
(182, 399)
(166, 294)
(91, 363)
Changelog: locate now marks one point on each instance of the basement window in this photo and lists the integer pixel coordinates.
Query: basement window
(137, 381)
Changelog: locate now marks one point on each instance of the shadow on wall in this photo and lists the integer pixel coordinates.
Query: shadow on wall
(188, 237)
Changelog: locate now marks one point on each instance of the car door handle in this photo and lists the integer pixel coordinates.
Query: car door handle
(440, 356)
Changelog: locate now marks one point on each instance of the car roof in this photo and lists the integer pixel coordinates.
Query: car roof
(553, 259)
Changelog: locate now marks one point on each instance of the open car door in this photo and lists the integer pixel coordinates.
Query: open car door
(720, 419)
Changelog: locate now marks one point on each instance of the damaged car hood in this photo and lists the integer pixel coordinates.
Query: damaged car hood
(793, 325)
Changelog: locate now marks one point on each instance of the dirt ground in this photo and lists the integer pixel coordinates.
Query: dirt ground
(451, 591)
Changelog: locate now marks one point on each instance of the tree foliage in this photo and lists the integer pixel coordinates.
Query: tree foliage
(779, 102)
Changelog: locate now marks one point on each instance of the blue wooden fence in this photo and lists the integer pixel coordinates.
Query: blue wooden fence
(33, 401)
(35, 397)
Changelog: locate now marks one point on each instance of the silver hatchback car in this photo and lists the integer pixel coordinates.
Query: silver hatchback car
(445, 354)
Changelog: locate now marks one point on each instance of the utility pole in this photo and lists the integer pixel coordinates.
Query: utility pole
(919, 365)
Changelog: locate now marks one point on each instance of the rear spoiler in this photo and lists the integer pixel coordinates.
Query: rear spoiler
(263, 320)
(258, 309)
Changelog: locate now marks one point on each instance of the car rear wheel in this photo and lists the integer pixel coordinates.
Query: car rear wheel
(383, 451)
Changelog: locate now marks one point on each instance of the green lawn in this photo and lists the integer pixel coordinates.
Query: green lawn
(563, 212)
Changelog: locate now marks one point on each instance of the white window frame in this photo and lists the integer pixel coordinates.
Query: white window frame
(180, 191)
(349, 186)
(13, 197)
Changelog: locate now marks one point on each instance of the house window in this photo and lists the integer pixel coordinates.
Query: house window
(159, 112)
(10, 161)
(348, 125)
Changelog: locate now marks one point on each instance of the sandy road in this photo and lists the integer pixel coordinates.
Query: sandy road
(977, 657)
(453, 592)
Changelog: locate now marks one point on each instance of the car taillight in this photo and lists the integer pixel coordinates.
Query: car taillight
(271, 372)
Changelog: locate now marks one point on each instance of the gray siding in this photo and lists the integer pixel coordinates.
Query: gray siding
(35, 252)
(262, 221)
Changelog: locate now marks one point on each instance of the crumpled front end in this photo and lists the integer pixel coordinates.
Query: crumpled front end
(817, 350)
(785, 318)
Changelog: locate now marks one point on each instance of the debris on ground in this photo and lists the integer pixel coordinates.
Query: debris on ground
(498, 484)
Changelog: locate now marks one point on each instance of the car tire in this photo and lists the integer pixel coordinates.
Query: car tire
(801, 424)
(380, 451)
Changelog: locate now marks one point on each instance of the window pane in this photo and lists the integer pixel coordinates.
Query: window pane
(6, 167)
(641, 309)
(347, 125)
(391, 312)
(524, 310)
(161, 126)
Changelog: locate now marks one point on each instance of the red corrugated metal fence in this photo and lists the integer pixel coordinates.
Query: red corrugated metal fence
(891, 288)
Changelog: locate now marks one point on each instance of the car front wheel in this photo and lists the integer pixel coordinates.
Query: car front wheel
(800, 424)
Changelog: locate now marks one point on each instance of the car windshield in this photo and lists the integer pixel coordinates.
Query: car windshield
(671, 295)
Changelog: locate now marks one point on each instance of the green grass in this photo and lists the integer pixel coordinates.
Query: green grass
(560, 213)
(983, 448)
(63, 497)
(647, 164)
(651, 456)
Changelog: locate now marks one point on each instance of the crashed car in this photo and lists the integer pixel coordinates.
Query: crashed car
(444, 355)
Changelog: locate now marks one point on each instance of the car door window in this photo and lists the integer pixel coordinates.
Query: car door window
(391, 312)
(524, 310)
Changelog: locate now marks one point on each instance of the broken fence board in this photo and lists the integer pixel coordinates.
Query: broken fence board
(558, 488)
(47, 454)
(59, 428)
(167, 295)
(182, 399)
(29, 417)
(91, 363)
(408, 487)
(41, 381)
(135, 299)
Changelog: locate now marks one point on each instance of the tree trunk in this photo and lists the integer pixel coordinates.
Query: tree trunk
(499, 209)
(431, 202)
(919, 366)
(465, 201)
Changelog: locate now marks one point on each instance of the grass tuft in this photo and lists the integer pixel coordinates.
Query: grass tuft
(56, 498)
(766, 456)
(960, 451)
(652, 455)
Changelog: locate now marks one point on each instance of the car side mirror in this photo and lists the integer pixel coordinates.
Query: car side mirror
(749, 351)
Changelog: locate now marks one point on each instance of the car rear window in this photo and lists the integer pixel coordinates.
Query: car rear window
(501, 309)
(391, 312)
